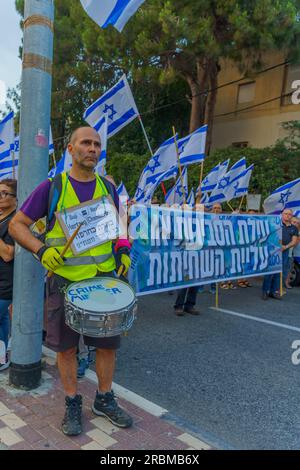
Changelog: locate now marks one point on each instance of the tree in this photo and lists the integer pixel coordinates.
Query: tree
(186, 40)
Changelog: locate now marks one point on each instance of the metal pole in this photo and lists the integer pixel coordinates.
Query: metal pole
(28, 298)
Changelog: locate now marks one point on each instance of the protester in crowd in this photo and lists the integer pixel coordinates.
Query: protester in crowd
(296, 250)
(80, 185)
(8, 204)
(271, 283)
(289, 241)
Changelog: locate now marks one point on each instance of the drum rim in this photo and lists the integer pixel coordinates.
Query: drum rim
(91, 312)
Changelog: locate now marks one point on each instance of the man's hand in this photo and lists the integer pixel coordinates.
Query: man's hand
(126, 262)
(122, 258)
(50, 258)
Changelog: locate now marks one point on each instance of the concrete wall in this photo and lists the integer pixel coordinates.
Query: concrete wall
(260, 126)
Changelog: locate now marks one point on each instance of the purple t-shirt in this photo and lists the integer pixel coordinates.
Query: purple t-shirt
(36, 205)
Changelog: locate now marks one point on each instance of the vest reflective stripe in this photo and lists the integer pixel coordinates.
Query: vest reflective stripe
(56, 241)
(82, 260)
(84, 265)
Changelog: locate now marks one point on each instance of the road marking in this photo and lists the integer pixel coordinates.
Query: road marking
(260, 320)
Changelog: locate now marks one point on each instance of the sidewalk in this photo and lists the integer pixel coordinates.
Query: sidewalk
(31, 420)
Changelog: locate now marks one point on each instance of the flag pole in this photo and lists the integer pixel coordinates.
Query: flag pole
(241, 203)
(13, 165)
(179, 166)
(150, 149)
(145, 134)
(230, 206)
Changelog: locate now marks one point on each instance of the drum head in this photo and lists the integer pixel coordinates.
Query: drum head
(100, 294)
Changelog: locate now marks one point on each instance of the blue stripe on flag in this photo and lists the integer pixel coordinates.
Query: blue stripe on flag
(112, 127)
(286, 186)
(7, 118)
(116, 12)
(5, 154)
(8, 164)
(104, 98)
(192, 158)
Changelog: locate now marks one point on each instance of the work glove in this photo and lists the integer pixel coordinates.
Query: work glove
(122, 258)
(50, 258)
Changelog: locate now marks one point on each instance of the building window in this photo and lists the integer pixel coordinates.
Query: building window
(291, 74)
(246, 93)
(240, 145)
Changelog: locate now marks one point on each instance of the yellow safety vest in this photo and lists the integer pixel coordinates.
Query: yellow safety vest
(88, 263)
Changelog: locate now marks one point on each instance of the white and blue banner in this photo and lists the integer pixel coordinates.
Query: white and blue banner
(119, 106)
(111, 12)
(284, 197)
(174, 249)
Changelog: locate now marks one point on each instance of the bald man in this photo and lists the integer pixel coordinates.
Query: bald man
(79, 185)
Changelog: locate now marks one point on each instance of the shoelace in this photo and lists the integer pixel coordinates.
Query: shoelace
(74, 410)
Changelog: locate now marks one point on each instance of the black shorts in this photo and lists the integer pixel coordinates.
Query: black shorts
(60, 337)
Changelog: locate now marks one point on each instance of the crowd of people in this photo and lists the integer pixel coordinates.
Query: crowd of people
(78, 186)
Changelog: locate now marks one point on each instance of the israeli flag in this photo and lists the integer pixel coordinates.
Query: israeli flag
(119, 106)
(7, 135)
(191, 198)
(101, 128)
(114, 12)
(178, 194)
(160, 167)
(192, 147)
(243, 182)
(284, 197)
(226, 188)
(211, 180)
(51, 145)
(64, 164)
(122, 193)
(9, 163)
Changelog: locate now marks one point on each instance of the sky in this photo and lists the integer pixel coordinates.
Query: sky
(10, 40)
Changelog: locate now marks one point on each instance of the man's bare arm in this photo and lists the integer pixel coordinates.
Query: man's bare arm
(19, 230)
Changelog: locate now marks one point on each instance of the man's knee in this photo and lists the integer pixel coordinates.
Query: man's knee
(68, 354)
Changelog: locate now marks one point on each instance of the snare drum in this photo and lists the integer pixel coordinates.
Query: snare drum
(100, 307)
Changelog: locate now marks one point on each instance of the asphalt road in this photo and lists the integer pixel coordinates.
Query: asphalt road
(229, 379)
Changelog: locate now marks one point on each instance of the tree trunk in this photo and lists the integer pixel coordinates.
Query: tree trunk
(198, 89)
(213, 82)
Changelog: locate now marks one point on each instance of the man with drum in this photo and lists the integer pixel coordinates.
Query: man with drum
(80, 185)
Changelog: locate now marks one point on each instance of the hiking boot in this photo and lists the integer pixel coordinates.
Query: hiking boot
(71, 424)
(192, 310)
(83, 364)
(179, 311)
(106, 405)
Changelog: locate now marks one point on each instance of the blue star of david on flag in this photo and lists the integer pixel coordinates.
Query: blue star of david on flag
(284, 197)
(224, 182)
(111, 109)
(154, 160)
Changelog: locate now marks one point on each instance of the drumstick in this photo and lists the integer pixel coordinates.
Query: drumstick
(120, 270)
(67, 246)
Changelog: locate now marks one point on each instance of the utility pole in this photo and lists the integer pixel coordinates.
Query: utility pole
(28, 298)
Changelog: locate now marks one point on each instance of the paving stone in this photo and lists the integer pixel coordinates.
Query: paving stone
(13, 421)
(9, 437)
(102, 438)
